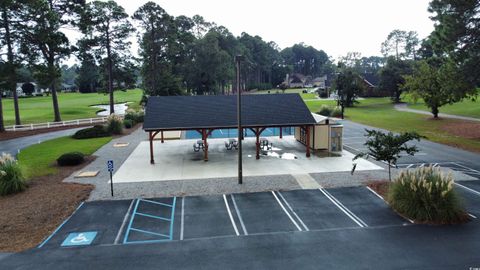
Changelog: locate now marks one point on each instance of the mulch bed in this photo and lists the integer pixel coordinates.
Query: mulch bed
(464, 129)
(27, 218)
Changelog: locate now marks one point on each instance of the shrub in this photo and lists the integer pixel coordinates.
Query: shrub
(71, 159)
(426, 195)
(114, 124)
(134, 116)
(93, 132)
(11, 177)
(323, 94)
(325, 110)
(127, 123)
(336, 112)
(140, 116)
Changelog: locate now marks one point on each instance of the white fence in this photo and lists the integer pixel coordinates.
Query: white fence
(76, 122)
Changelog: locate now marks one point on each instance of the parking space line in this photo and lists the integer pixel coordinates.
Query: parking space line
(286, 212)
(294, 213)
(378, 195)
(409, 166)
(60, 226)
(154, 202)
(127, 233)
(151, 216)
(230, 215)
(149, 232)
(239, 215)
(344, 209)
(472, 216)
(469, 189)
(182, 218)
(124, 222)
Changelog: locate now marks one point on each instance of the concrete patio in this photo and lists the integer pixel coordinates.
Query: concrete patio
(176, 160)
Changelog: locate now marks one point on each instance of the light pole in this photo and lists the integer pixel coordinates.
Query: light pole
(238, 59)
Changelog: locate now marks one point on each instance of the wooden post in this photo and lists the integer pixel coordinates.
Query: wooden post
(205, 145)
(161, 134)
(257, 134)
(150, 138)
(307, 143)
(281, 132)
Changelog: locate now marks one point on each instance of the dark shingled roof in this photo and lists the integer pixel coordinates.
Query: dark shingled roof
(190, 112)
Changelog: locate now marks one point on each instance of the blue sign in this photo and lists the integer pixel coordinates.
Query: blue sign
(110, 165)
(79, 239)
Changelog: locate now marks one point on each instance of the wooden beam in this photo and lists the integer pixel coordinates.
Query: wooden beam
(281, 132)
(205, 145)
(161, 136)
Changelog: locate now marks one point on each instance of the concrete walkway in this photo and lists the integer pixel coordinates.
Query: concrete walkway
(403, 107)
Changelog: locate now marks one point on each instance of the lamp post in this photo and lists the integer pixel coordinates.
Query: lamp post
(238, 59)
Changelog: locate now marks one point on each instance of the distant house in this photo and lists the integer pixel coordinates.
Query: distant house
(67, 88)
(37, 91)
(297, 80)
(370, 82)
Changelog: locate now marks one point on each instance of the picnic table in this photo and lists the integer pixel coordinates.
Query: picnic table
(198, 145)
(231, 143)
(264, 143)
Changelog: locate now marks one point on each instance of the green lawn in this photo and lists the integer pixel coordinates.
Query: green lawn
(379, 112)
(72, 106)
(37, 160)
(315, 105)
(289, 91)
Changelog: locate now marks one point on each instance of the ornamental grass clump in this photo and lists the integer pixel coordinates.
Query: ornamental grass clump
(426, 195)
(114, 124)
(11, 177)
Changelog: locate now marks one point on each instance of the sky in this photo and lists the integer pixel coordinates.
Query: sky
(335, 26)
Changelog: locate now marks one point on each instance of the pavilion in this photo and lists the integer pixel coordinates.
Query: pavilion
(205, 114)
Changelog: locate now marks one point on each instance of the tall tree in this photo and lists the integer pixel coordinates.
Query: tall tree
(395, 43)
(438, 85)
(10, 39)
(348, 85)
(45, 43)
(392, 77)
(107, 27)
(457, 33)
(158, 47)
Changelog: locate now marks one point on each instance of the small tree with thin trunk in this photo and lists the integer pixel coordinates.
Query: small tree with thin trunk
(387, 147)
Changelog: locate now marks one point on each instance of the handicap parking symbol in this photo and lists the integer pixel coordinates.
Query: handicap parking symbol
(79, 239)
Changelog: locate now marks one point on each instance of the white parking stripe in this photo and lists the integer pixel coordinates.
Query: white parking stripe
(286, 212)
(230, 215)
(294, 213)
(378, 195)
(409, 166)
(125, 219)
(345, 210)
(239, 216)
(469, 189)
(472, 216)
(182, 218)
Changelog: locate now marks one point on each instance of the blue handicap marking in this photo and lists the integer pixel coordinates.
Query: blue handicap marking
(110, 165)
(79, 239)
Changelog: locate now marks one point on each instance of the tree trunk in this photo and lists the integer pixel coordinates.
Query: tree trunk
(56, 110)
(435, 112)
(2, 126)
(110, 75)
(12, 78)
(389, 172)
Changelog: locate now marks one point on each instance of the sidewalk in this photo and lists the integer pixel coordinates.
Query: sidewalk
(403, 107)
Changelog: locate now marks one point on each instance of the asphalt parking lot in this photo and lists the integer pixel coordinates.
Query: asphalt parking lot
(234, 215)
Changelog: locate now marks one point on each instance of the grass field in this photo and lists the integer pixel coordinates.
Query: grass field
(37, 160)
(379, 112)
(290, 91)
(72, 106)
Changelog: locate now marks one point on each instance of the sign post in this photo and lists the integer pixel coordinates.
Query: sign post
(110, 170)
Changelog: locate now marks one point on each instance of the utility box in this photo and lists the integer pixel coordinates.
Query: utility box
(325, 135)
